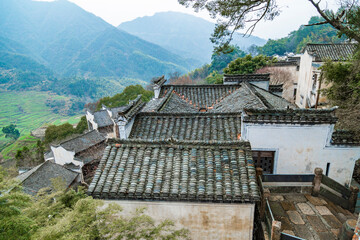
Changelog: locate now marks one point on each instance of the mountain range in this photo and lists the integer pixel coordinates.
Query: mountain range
(183, 34)
(67, 40)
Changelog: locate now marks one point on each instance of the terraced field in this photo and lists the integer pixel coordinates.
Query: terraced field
(28, 111)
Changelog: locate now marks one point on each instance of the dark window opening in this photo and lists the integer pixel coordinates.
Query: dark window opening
(327, 169)
(264, 160)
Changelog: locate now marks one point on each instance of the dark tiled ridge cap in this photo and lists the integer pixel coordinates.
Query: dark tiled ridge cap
(131, 104)
(175, 142)
(166, 99)
(247, 77)
(344, 137)
(202, 86)
(276, 88)
(79, 136)
(296, 116)
(160, 80)
(179, 114)
(287, 63)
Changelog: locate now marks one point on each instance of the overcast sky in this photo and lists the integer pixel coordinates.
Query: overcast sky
(294, 13)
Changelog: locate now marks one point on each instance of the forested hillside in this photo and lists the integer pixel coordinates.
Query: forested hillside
(296, 40)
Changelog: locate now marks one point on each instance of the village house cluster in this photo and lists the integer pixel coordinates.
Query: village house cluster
(191, 153)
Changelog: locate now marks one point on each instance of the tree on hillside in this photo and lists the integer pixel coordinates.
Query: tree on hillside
(297, 40)
(219, 61)
(344, 91)
(237, 14)
(248, 64)
(122, 99)
(11, 131)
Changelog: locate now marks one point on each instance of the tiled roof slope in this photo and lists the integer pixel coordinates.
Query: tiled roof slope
(272, 100)
(40, 177)
(334, 52)
(174, 103)
(102, 118)
(214, 98)
(200, 96)
(83, 142)
(290, 116)
(176, 171)
(343, 137)
(242, 98)
(190, 126)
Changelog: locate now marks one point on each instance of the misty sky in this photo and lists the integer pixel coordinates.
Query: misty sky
(294, 13)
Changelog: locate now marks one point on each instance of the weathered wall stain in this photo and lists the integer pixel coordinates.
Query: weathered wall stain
(204, 220)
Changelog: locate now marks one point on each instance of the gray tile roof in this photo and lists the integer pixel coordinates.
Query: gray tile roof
(214, 98)
(83, 142)
(176, 171)
(244, 97)
(343, 137)
(187, 126)
(40, 177)
(102, 118)
(290, 116)
(174, 103)
(271, 100)
(200, 96)
(334, 52)
(238, 78)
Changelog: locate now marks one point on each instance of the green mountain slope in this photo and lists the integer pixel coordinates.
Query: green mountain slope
(71, 41)
(183, 34)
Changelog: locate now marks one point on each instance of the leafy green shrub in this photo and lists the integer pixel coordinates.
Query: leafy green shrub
(248, 64)
(10, 131)
(121, 99)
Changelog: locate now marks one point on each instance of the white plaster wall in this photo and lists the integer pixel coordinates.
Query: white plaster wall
(288, 86)
(157, 91)
(300, 149)
(63, 156)
(90, 118)
(203, 220)
(304, 80)
(128, 127)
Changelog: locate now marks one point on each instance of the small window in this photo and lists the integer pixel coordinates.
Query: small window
(314, 78)
(327, 169)
(264, 160)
